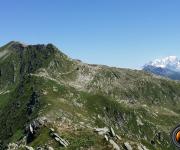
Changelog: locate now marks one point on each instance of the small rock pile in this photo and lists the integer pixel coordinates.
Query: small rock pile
(110, 136)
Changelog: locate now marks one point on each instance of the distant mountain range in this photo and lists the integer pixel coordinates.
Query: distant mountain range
(167, 67)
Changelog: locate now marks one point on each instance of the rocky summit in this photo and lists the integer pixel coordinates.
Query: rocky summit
(49, 101)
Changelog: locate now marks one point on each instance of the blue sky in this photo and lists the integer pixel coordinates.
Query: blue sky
(121, 33)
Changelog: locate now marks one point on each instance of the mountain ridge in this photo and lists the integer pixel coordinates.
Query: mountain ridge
(71, 98)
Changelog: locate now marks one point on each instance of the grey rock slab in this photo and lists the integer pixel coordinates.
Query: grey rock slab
(115, 146)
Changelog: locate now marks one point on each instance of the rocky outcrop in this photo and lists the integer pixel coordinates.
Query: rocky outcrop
(33, 128)
(58, 139)
(115, 146)
(33, 103)
(15, 146)
(109, 135)
(12, 146)
(102, 131)
(142, 147)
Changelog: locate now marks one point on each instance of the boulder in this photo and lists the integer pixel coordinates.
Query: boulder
(60, 140)
(115, 146)
(56, 135)
(57, 139)
(118, 137)
(31, 129)
(29, 148)
(50, 148)
(127, 146)
(142, 147)
(106, 138)
(112, 132)
(52, 130)
(102, 131)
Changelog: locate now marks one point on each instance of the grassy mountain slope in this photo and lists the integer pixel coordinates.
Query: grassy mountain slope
(39, 81)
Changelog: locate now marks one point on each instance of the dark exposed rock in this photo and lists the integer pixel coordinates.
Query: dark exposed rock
(159, 136)
(32, 129)
(39, 148)
(33, 103)
(153, 142)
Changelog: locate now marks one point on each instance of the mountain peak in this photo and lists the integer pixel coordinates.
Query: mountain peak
(17, 46)
(13, 43)
(168, 67)
(170, 62)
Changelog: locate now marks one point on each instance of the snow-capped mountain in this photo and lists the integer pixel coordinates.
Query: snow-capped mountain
(168, 67)
(171, 62)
